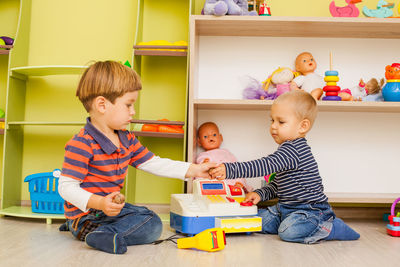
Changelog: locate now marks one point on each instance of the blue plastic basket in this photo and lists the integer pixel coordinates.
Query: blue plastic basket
(43, 188)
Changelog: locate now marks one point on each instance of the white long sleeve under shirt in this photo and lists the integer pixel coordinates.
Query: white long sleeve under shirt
(71, 191)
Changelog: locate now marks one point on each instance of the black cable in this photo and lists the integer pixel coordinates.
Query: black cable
(171, 238)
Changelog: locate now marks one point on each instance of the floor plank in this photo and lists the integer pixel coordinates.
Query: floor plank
(33, 243)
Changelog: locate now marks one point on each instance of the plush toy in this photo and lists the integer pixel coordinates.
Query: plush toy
(227, 7)
(281, 79)
(255, 90)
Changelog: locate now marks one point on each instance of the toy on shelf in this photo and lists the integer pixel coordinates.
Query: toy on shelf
(281, 79)
(264, 9)
(162, 128)
(331, 89)
(208, 240)
(374, 90)
(391, 91)
(358, 92)
(43, 189)
(227, 7)
(345, 11)
(383, 10)
(393, 228)
(308, 80)
(7, 40)
(213, 204)
(255, 90)
(2, 124)
(210, 139)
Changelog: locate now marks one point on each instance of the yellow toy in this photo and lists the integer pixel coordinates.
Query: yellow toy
(210, 240)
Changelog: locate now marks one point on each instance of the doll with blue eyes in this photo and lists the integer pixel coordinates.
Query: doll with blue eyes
(210, 139)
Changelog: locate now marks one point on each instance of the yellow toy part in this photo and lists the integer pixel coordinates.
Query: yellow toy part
(210, 240)
(331, 79)
(331, 83)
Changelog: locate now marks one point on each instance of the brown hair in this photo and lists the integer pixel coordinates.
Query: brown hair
(303, 103)
(109, 79)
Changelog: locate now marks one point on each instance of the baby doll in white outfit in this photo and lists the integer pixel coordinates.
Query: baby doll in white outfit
(308, 81)
(210, 139)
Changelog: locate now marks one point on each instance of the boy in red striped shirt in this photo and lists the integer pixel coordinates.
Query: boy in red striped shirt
(96, 162)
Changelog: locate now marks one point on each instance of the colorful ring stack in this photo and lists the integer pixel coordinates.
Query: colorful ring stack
(331, 89)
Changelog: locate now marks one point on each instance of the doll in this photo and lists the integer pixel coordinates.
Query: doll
(308, 80)
(210, 139)
(281, 78)
(374, 90)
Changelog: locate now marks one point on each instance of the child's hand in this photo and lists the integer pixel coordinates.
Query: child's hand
(252, 197)
(218, 172)
(200, 170)
(109, 207)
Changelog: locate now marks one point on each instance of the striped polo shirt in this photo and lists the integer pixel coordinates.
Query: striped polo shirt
(297, 179)
(98, 164)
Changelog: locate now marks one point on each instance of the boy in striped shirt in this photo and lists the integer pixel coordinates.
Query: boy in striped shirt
(303, 213)
(96, 162)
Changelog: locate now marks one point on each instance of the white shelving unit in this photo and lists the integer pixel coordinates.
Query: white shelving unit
(356, 144)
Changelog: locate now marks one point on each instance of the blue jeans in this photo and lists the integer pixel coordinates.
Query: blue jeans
(305, 223)
(134, 225)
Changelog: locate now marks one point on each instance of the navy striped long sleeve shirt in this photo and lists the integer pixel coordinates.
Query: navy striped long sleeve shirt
(297, 179)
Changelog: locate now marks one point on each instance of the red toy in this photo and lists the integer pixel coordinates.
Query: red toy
(393, 228)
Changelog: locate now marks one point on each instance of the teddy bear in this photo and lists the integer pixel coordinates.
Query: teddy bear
(227, 7)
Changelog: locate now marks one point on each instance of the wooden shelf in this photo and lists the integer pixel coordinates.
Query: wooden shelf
(337, 106)
(46, 70)
(297, 27)
(5, 49)
(162, 50)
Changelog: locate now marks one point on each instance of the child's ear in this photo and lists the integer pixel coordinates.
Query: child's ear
(305, 126)
(222, 138)
(100, 104)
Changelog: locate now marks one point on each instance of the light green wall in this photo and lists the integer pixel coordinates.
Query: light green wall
(8, 27)
(72, 32)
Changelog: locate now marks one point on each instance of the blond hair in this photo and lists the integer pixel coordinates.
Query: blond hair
(109, 79)
(303, 104)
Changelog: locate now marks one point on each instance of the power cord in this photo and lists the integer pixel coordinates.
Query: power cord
(171, 238)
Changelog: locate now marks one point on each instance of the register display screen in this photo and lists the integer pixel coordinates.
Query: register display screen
(212, 186)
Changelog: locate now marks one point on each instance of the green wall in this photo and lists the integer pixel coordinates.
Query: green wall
(9, 10)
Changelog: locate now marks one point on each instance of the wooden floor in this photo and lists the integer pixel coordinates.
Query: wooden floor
(33, 243)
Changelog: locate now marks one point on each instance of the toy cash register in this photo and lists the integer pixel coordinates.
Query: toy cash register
(213, 204)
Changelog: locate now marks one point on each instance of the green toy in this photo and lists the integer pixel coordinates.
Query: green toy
(2, 113)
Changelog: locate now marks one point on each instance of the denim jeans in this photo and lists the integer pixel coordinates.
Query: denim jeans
(134, 225)
(304, 223)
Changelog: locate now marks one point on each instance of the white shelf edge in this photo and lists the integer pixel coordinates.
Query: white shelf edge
(340, 106)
